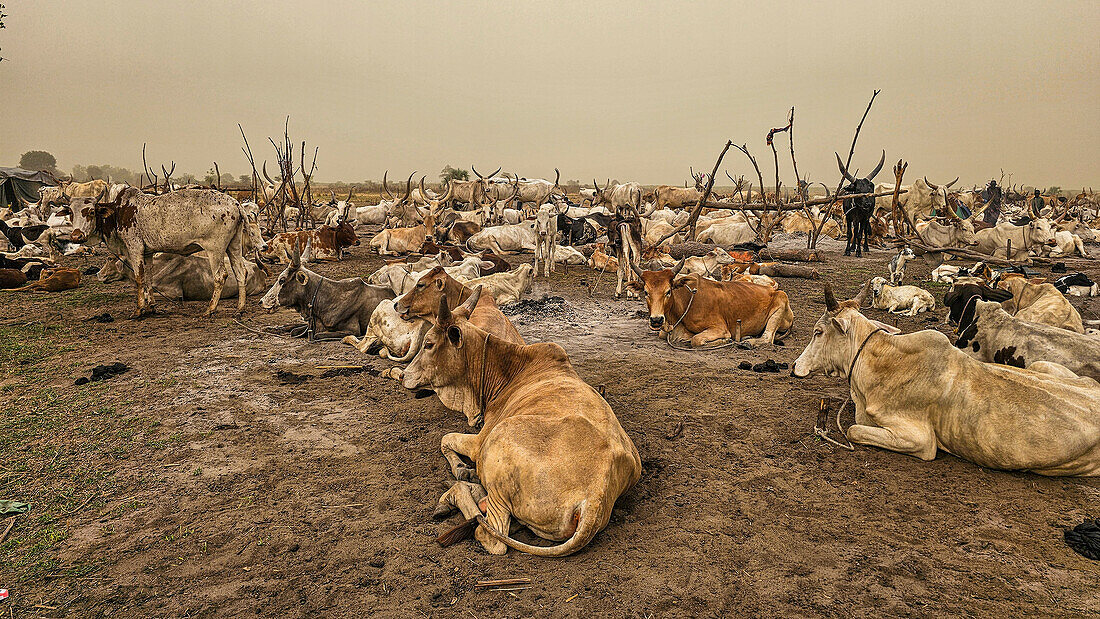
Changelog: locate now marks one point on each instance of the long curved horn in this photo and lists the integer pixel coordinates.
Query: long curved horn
(881, 161)
(450, 192)
(636, 270)
(477, 173)
(470, 303)
(385, 185)
(493, 174)
(679, 267)
(268, 178)
(333, 194)
(930, 184)
(423, 192)
(596, 186)
(557, 177)
(830, 299)
(844, 170)
(948, 185)
(408, 186)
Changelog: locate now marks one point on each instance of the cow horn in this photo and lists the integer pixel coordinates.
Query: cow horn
(557, 177)
(596, 185)
(408, 186)
(948, 185)
(385, 187)
(470, 303)
(861, 298)
(830, 299)
(637, 271)
(494, 174)
(881, 161)
(444, 311)
(476, 172)
(333, 194)
(930, 184)
(423, 192)
(844, 170)
(450, 192)
(679, 267)
(268, 178)
(349, 196)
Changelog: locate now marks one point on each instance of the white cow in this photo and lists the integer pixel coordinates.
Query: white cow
(505, 287)
(506, 238)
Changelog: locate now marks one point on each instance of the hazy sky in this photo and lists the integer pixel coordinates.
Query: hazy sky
(625, 89)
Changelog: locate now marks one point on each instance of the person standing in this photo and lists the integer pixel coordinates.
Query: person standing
(992, 196)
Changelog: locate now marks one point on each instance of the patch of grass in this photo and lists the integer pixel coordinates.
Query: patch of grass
(90, 297)
(25, 347)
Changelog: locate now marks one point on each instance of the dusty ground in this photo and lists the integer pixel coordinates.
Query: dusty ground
(200, 484)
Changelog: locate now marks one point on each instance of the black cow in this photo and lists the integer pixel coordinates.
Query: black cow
(858, 211)
(20, 236)
(963, 296)
(583, 229)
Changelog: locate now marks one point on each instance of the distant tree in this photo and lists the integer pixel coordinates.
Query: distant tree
(245, 179)
(453, 174)
(94, 171)
(38, 160)
(1054, 190)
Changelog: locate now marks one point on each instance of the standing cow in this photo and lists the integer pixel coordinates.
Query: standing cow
(135, 225)
(858, 211)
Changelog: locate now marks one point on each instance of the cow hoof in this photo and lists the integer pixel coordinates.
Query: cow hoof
(467, 474)
(443, 511)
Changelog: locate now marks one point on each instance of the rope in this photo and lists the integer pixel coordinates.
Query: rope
(819, 427)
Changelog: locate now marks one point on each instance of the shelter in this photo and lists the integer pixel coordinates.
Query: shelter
(19, 187)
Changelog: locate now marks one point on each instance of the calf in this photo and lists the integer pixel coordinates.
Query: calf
(12, 278)
(600, 261)
(396, 241)
(990, 334)
(897, 298)
(61, 278)
(331, 308)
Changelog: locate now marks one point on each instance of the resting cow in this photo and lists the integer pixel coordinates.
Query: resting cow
(184, 278)
(389, 336)
(552, 455)
(182, 222)
(505, 287)
(988, 333)
(331, 308)
(1034, 301)
(326, 242)
(708, 311)
(917, 393)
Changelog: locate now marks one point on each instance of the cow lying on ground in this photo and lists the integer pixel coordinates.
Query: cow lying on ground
(12, 278)
(396, 241)
(552, 455)
(988, 333)
(960, 295)
(917, 393)
(1032, 235)
(1035, 301)
(506, 238)
(331, 308)
(184, 278)
(506, 288)
(715, 308)
(181, 222)
(389, 336)
(326, 243)
(895, 299)
(61, 278)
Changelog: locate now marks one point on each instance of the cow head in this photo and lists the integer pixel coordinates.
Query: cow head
(485, 181)
(938, 195)
(95, 218)
(657, 287)
(601, 196)
(1041, 232)
(289, 289)
(345, 235)
(441, 363)
(832, 344)
(861, 185)
(423, 299)
(977, 312)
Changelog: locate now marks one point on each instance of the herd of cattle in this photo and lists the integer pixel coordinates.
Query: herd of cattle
(1016, 390)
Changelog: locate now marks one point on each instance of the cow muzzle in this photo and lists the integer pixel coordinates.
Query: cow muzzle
(78, 236)
(656, 322)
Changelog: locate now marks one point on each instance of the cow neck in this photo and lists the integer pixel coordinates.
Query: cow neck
(493, 377)
(855, 358)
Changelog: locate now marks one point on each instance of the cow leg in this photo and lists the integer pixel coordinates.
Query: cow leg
(454, 445)
(218, 276)
(470, 499)
(710, 335)
(236, 262)
(906, 438)
(780, 317)
(458, 498)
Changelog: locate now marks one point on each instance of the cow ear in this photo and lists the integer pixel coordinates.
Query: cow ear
(439, 283)
(841, 324)
(302, 278)
(454, 334)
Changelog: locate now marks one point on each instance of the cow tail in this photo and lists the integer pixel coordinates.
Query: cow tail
(588, 524)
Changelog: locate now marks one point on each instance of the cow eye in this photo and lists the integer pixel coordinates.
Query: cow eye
(429, 345)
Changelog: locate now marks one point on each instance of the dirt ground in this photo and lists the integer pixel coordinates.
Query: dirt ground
(202, 482)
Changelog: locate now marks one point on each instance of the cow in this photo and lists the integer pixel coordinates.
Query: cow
(1066, 243)
(331, 308)
(397, 241)
(624, 235)
(551, 454)
(538, 191)
(800, 223)
(858, 211)
(964, 294)
(567, 255)
(402, 277)
(546, 241)
(453, 229)
(667, 196)
(625, 198)
(1033, 234)
(388, 336)
(653, 231)
(505, 238)
(184, 278)
(12, 278)
(19, 236)
(919, 201)
(955, 232)
(475, 192)
(916, 394)
(581, 230)
(710, 311)
(728, 233)
(894, 299)
(183, 222)
(990, 334)
(506, 288)
(423, 302)
(601, 261)
(89, 189)
(326, 243)
(401, 213)
(55, 280)
(371, 215)
(1035, 301)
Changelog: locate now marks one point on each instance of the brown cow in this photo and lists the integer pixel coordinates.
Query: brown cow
(708, 310)
(325, 243)
(61, 278)
(551, 454)
(395, 241)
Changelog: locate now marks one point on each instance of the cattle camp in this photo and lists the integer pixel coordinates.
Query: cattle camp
(805, 353)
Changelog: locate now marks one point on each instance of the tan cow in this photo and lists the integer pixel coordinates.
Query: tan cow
(1035, 301)
(709, 311)
(917, 394)
(507, 287)
(423, 302)
(551, 454)
(397, 241)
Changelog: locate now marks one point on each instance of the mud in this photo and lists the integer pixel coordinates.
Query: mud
(262, 484)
